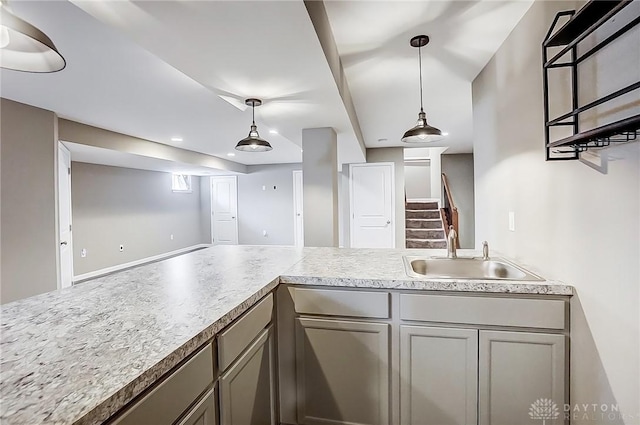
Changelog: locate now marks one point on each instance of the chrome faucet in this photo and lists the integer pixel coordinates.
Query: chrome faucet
(485, 250)
(451, 243)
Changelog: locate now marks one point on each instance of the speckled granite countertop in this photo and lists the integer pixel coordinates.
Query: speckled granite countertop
(78, 355)
(384, 268)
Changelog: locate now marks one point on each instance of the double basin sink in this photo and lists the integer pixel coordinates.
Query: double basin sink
(470, 268)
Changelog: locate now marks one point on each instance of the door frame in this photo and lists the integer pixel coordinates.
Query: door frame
(212, 219)
(393, 198)
(295, 197)
(64, 152)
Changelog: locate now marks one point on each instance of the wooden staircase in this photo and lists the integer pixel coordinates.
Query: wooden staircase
(424, 227)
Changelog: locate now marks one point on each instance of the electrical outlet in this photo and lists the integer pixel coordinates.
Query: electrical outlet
(512, 221)
(121, 248)
(171, 237)
(264, 233)
(83, 253)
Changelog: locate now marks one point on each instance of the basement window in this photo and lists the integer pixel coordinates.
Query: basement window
(181, 183)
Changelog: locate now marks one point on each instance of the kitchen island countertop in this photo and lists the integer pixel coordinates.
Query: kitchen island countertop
(78, 355)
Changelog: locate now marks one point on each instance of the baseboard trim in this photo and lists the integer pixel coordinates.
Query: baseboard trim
(108, 270)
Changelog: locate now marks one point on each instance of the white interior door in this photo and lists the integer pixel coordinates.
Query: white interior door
(224, 210)
(64, 216)
(372, 205)
(298, 216)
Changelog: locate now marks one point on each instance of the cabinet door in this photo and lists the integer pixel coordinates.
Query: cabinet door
(342, 372)
(522, 378)
(203, 413)
(438, 375)
(247, 387)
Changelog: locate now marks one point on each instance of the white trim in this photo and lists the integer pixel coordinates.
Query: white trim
(63, 151)
(295, 220)
(424, 200)
(112, 269)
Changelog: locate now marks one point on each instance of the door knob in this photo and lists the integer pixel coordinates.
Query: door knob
(63, 243)
(388, 221)
(233, 217)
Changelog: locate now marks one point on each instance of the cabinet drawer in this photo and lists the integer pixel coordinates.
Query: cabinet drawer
(529, 313)
(174, 395)
(238, 336)
(341, 303)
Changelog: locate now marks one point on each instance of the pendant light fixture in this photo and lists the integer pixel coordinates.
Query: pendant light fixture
(24, 47)
(422, 132)
(253, 142)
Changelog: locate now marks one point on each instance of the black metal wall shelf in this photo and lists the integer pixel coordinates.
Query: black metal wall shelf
(563, 43)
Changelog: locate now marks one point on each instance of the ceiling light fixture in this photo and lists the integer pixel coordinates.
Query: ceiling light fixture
(24, 47)
(231, 154)
(422, 132)
(176, 139)
(253, 142)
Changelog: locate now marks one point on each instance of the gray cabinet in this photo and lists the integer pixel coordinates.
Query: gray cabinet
(439, 376)
(516, 370)
(169, 399)
(352, 357)
(247, 388)
(343, 372)
(203, 413)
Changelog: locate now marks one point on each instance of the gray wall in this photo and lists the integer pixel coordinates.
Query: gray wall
(395, 155)
(28, 242)
(320, 186)
(417, 180)
(270, 209)
(136, 208)
(572, 222)
(459, 171)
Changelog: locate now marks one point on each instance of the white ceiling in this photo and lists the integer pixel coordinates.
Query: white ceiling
(160, 69)
(382, 68)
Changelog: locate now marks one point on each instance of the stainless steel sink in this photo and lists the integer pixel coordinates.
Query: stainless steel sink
(466, 268)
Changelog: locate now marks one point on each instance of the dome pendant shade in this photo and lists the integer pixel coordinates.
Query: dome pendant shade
(253, 142)
(24, 47)
(422, 132)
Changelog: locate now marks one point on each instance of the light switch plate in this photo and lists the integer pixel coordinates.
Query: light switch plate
(512, 221)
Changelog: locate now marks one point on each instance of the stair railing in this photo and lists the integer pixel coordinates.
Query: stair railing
(449, 212)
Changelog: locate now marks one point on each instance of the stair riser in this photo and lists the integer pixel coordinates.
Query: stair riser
(427, 244)
(424, 234)
(423, 214)
(422, 206)
(424, 224)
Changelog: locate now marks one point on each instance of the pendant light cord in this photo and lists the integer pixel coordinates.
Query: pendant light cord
(420, 64)
(253, 113)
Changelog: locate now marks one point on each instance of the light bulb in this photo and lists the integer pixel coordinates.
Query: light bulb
(422, 136)
(4, 37)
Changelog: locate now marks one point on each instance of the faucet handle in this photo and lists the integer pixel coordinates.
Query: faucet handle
(485, 250)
